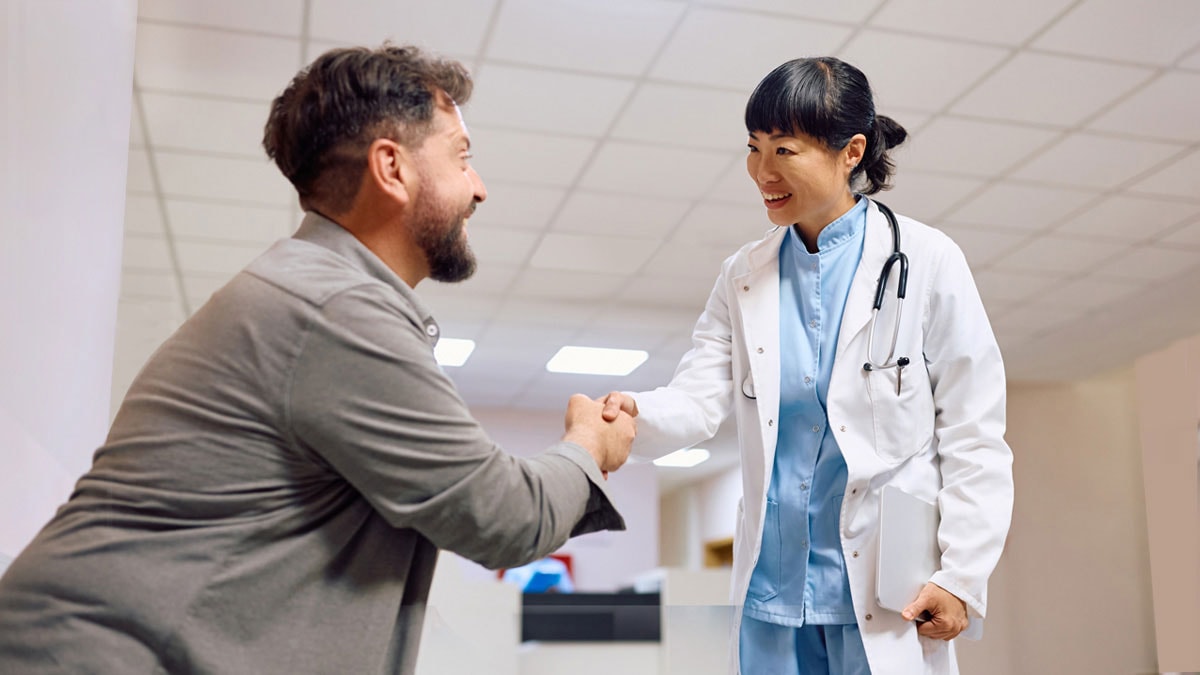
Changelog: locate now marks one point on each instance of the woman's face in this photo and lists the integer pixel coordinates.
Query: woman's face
(802, 181)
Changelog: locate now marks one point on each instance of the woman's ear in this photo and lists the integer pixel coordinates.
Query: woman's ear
(390, 169)
(852, 154)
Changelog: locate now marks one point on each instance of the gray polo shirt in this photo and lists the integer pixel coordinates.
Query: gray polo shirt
(276, 485)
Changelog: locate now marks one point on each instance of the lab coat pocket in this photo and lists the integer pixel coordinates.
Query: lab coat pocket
(764, 579)
(902, 407)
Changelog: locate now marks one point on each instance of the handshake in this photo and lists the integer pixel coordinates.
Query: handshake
(604, 427)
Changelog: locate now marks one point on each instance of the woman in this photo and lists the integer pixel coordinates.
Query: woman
(783, 342)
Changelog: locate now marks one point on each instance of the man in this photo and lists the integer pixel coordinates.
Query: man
(277, 483)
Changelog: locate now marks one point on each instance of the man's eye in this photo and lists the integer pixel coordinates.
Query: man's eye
(782, 151)
(752, 148)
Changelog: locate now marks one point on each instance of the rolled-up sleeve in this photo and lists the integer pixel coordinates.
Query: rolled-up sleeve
(368, 397)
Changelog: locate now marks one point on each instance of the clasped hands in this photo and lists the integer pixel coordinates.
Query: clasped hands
(604, 427)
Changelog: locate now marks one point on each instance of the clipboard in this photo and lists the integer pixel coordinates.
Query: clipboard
(909, 553)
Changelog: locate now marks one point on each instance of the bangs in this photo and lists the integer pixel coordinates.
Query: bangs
(793, 100)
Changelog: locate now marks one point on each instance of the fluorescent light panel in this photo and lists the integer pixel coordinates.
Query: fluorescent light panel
(596, 360)
(453, 351)
(685, 458)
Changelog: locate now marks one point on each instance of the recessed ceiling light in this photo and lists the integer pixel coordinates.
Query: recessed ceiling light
(596, 360)
(453, 351)
(683, 458)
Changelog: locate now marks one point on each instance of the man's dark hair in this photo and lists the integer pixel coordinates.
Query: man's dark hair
(320, 127)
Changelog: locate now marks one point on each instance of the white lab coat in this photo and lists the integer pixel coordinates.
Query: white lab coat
(941, 439)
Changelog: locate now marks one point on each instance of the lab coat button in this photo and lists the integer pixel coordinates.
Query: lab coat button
(745, 288)
(869, 617)
(854, 491)
(843, 427)
(856, 554)
(770, 423)
(760, 350)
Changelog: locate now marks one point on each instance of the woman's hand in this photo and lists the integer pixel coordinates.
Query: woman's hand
(948, 614)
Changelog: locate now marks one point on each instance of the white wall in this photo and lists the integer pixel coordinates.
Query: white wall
(603, 561)
(64, 122)
(1072, 591)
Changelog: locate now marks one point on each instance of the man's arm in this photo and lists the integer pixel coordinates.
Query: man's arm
(368, 397)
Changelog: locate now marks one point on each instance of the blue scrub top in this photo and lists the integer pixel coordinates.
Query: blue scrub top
(800, 577)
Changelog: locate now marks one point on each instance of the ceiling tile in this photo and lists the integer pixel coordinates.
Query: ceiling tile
(1151, 263)
(685, 260)
(616, 36)
(619, 214)
(735, 185)
(516, 206)
(1167, 108)
(502, 246)
(545, 101)
(1186, 235)
(723, 226)
(850, 11)
(212, 258)
(1007, 23)
(1059, 255)
(602, 253)
(555, 284)
(204, 124)
(666, 113)
(545, 312)
(142, 215)
(654, 171)
(145, 252)
(223, 178)
(204, 61)
(1128, 218)
(527, 157)
(254, 225)
(264, 16)
(917, 72)
(1089, 293)
(151, 284)
(926, 196)
(1010, 286)
(1181, 179)
(645, 320)
(672, 292)
(763, 42)
(970, 147)
(446, 26)
(1088, 160)
(1157, 32)
(982, 247)
(1026, 320)
(139, 177)
(1029, 88)
(1022, 207)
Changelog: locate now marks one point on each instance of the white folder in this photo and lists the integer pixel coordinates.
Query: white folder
(909, 553)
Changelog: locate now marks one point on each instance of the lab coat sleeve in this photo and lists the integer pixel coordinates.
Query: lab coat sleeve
(698, 398)
(967, 377)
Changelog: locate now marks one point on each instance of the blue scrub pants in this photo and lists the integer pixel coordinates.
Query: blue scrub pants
(770, 649)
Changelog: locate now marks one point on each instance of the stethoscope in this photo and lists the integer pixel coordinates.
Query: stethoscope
(897, 256)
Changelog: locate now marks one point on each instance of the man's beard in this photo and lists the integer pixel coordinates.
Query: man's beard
(446, 249)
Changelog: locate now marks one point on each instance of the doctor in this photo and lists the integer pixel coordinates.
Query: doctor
(782, 343)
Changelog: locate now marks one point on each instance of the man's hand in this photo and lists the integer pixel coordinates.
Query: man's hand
(616, 402)
(607, 441)
(949, 614)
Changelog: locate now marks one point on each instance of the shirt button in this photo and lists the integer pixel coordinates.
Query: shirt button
(804, 486)
(816, 427)
(807, 379)
(431, 330)
(804, 543)
(813, 323)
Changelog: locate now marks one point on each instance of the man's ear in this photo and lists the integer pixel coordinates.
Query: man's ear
(391, 170)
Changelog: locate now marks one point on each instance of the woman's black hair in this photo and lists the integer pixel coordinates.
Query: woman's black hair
(830, 100)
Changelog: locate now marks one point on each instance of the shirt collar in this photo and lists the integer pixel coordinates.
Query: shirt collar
(319, 230)
(848, 227)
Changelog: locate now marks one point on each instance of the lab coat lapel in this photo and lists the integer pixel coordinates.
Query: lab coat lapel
(877, 246)
(758, 289)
